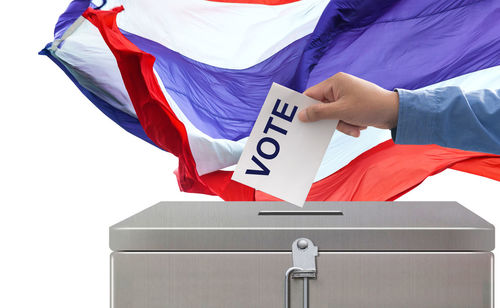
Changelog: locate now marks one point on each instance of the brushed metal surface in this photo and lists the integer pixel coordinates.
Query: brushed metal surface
(345, 280)
(363, 226)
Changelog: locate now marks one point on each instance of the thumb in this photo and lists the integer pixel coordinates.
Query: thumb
(320, 111)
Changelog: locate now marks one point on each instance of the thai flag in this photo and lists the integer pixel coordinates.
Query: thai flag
(190, 77)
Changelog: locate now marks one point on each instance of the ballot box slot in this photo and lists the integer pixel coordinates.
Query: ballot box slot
(301, 213)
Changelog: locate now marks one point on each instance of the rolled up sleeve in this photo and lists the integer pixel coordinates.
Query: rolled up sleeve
(451, 118)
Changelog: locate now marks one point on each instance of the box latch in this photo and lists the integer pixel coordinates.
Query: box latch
(304, 255)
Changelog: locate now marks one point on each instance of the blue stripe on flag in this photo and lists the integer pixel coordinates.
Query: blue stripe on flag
(405, 44)
(74, 10)
(222, 103)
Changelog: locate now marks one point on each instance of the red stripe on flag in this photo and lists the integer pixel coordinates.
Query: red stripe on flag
(155, 115)
(384, 172)
(487, 167)
(388, 171)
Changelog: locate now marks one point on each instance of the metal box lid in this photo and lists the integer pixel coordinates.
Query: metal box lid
(332, 226)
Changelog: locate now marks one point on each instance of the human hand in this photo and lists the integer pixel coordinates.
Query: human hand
(355, 102)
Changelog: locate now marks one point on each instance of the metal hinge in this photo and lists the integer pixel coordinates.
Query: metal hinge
(304, 255)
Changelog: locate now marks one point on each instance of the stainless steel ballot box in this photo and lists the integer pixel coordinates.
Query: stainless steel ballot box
(327, 254)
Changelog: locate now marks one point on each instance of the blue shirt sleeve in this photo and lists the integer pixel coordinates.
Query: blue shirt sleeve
(451, 118)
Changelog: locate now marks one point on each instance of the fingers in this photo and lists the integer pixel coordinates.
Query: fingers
(350, 130)
(329, 111)
(317, 92)
(313, 113)
(323, 91)
(321, 111)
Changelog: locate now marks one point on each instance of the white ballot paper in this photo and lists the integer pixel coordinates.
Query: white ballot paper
(283, 154)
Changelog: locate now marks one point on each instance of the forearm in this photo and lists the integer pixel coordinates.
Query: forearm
(450, 118)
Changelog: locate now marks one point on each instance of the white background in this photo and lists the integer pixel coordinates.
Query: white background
(67, 173)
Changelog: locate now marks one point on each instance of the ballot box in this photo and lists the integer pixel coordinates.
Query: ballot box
(326, 254)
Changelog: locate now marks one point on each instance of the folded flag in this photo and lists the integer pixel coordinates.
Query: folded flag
(191, 76)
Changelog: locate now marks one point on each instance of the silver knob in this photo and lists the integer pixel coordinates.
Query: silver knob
(302, 244)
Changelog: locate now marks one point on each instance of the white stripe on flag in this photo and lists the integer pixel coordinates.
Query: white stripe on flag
(225, 35)
(209, 154)
(90, 61)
